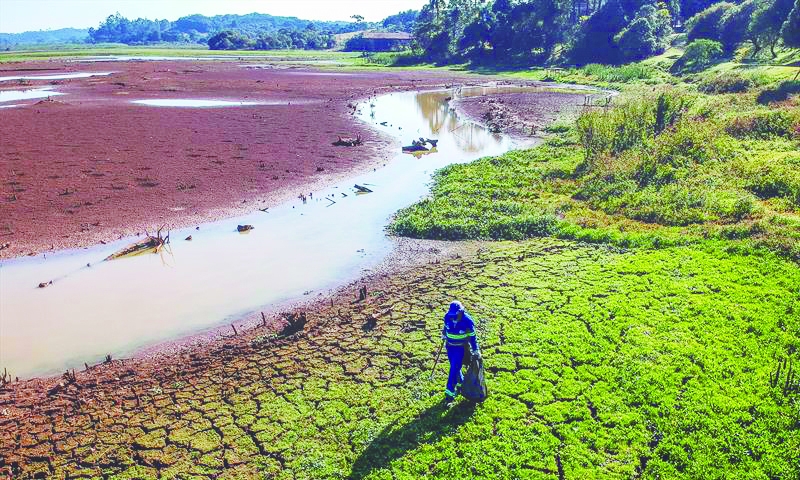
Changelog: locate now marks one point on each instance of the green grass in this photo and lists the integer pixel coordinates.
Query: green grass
(617, 77)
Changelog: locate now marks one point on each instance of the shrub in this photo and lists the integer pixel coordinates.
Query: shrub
(699, 55)
(707, 24)
(774, 178)
(673, 153)
(727, 83)
(780, 93)
(558, 127)
(630, 124)
(622, 74)
(670, 205)
(616, 130)
(765, 125)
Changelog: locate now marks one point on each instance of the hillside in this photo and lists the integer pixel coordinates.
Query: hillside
(42, 37)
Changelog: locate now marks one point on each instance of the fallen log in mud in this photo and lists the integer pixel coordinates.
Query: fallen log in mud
(348, 141)
(151, 244)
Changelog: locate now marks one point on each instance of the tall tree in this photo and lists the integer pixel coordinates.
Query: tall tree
(733, 25)
(765, 26)
(646, 35)
(791, 27)
(594, 43)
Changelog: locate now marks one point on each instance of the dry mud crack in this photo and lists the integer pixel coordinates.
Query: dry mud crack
(594, 357)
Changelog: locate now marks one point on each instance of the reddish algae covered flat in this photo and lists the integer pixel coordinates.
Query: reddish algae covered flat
(90, 165)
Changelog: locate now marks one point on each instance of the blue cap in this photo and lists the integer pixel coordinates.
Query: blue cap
(456, 307)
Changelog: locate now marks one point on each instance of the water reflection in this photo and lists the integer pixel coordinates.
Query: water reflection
(433, 118)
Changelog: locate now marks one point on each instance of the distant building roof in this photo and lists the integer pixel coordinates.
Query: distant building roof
(388, 36)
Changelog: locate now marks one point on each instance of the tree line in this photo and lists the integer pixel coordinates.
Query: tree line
(308, 38)
(764, 23)
(284, 32)
(593, 31)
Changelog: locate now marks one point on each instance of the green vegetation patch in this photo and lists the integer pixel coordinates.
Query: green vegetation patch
(658, 168)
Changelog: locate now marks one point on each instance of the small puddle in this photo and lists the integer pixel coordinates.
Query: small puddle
(14, 95)
(296, 249)
(59, 76)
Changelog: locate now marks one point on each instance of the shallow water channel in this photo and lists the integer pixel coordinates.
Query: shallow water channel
(295, 250)
(56, 76)
(34, 93)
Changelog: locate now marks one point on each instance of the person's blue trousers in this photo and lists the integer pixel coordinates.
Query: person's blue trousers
(456, 356)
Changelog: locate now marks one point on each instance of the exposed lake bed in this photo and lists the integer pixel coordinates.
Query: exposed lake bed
(84, 289)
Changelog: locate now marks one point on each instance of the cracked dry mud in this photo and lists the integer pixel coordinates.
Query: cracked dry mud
(596, 359)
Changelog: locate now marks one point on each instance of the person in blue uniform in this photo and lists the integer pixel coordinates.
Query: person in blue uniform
(458, 333)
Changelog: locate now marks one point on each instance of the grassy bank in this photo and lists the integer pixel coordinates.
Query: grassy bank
(602, 363)
(664, 166)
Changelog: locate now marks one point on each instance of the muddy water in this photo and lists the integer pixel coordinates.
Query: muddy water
(58, 76)
(15, 95)
(95, 307)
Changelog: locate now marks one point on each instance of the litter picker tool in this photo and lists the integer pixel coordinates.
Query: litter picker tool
(435, 362)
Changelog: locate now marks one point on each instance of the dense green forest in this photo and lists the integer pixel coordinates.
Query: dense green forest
(254, 30)
(308, 38)
(587, 31)
(401, 22)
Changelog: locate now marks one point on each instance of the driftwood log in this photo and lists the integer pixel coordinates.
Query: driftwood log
(348, 141)
(152, 243)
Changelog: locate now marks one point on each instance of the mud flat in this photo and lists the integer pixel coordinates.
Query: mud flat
(521, 114)
(92, 166)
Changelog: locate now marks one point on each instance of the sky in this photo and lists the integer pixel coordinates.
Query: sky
(24, 15)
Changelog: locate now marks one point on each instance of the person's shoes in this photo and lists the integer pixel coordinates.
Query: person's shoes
(448, 400)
